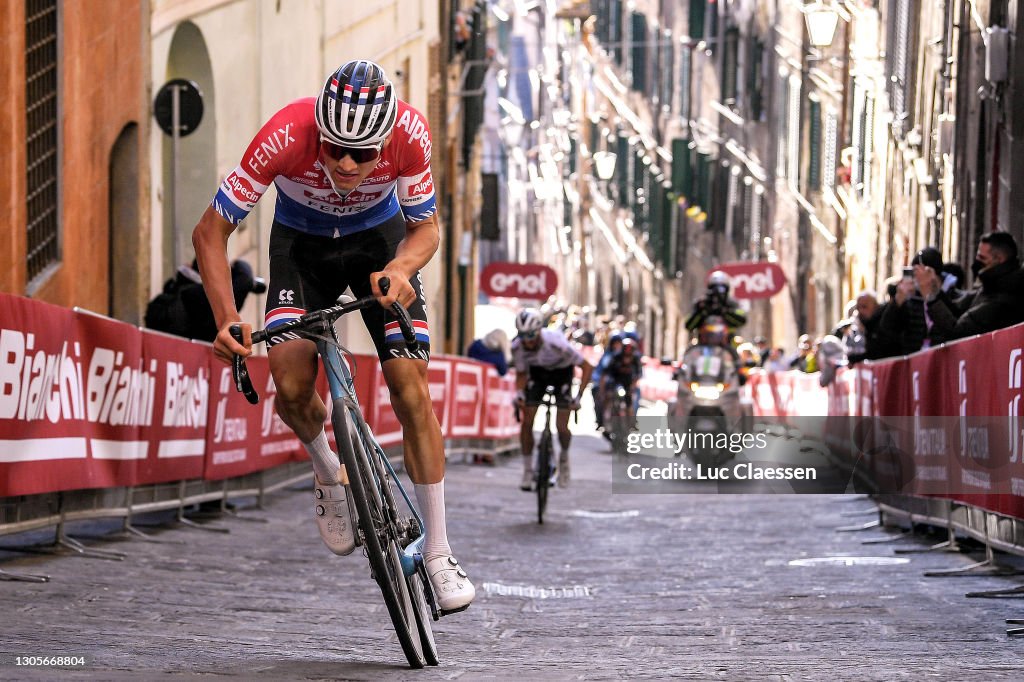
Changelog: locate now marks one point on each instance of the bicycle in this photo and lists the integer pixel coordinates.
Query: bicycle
(618, 418)
(391, 539)
(544, 467)
(544, 460)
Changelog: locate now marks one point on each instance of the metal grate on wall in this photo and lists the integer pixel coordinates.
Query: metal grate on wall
(41, 135)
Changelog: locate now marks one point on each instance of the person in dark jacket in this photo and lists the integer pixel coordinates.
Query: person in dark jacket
(908, 317)
(994, 304)
(493, 348)
(716, 303)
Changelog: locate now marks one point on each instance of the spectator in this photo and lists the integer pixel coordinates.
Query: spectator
(804, 360)
(829, 356)
(763, 349)
(996, 302)
(907, 318)
(493, 348)
(748, 359)
(956, 271)
(183, 309)
(777, 361)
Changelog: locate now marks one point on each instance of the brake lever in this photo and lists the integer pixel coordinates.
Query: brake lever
(240, 373)
(404, 320)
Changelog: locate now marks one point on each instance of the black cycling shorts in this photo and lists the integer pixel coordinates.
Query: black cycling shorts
(309, 272)
(541, 378)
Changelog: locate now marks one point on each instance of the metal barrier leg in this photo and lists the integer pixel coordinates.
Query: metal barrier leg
(1013, 632)
(131, 531)
(62, 544)
(23, 577)
(991, 594)
(987, 567)
(863, 526)
(895, 538)
(180, 518)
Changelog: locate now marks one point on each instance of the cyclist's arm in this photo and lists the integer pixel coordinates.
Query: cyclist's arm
(210, 239)
(587, 369)
(413, 253)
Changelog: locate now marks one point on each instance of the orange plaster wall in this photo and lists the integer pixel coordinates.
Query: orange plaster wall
(101, 90)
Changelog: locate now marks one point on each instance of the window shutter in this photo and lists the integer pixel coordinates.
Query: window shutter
(814, 133)
(638, 51)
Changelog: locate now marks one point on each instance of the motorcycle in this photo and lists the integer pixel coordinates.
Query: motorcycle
(707, 404)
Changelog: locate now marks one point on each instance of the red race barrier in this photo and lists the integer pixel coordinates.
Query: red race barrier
(177, 433)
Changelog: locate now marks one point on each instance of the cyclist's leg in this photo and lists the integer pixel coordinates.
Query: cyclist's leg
(526, 438)
(563, 399)
(405, 372)
(293, 364)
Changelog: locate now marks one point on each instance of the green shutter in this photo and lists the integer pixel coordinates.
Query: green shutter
(638, 51)
(682, 172)
(814, 132)
(730, 60)
(697, 9)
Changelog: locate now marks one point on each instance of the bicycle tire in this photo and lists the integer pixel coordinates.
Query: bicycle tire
(380, 537)
(423, 615)
(543, 474)
(421, 608)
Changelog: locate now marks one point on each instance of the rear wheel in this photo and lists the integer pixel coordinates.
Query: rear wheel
(543, 474)
(380, 536)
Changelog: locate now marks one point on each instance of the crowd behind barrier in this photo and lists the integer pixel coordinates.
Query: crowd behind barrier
(87, 402)
(942, 428)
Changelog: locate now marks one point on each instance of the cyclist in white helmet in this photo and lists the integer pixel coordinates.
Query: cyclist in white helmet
(355, 202)
(542, 358)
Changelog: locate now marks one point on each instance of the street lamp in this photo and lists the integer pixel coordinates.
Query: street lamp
(604, 164)
(821, 23)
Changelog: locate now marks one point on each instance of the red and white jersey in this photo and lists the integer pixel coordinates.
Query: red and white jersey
(286, 151)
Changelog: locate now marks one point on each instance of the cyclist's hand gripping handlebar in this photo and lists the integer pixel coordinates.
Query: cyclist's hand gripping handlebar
(243, 384)
(399, 311)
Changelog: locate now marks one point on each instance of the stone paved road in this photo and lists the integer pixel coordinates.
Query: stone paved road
(648, 586)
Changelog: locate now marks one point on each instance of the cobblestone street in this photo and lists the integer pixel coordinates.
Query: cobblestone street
(612, 586)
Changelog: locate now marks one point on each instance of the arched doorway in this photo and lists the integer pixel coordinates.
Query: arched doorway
(197, 171)
(125, 283)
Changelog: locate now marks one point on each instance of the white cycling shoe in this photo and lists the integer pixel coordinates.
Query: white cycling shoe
(333, 519)
(527, 483)
(452, 590)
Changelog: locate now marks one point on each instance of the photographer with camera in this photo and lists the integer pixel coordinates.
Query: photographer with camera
(716, 303)
(183, 309)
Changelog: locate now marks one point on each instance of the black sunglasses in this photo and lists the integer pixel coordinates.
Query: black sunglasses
(358, 154)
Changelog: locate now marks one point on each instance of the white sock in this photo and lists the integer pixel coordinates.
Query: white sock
(527, 462)
(430, 497)
(325, 462)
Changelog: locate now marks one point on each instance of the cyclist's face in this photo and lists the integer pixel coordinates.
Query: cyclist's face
(347, 172)
(531, 341)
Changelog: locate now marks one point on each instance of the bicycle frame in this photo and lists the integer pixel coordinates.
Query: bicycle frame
(342, 387)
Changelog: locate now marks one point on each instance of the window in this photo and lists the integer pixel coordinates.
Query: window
(41, 159)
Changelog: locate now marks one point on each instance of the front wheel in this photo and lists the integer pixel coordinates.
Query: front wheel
(544, 452)
(380, 536)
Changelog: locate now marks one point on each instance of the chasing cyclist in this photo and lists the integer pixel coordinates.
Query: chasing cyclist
(625, 369)
(355, 202)
(542, 358)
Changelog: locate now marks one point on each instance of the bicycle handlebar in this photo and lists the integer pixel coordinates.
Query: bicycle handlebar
(327, 316)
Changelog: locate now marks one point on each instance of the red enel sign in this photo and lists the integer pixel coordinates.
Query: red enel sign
(753, 280)
(518, 280)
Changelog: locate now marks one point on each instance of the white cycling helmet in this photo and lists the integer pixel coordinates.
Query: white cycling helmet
(357, 106)
(529, 321)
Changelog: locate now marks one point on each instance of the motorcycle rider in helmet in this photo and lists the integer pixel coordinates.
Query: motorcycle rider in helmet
(716, 302)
